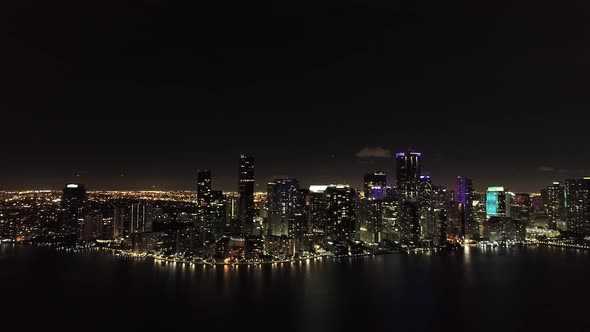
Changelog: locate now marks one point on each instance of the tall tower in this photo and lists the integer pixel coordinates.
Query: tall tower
(141, 217)
(577, 205)
(464, 200)
(497, 202)
(408, 174)
(247, 211)
(375, 184)
(282, 203)
(554, 204)
(72, 202)
(203, 222)
(341, 223)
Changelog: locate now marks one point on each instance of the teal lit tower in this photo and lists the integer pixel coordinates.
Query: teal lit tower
(497, 202)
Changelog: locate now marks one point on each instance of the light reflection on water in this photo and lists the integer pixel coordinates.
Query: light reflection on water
(424, 291)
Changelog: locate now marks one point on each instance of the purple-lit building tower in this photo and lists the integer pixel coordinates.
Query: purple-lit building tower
(408, 166)
(375, 183)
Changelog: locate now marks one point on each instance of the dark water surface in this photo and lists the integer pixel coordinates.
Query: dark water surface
(534, 288)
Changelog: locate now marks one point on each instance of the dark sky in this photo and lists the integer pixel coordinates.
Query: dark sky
(153, 90)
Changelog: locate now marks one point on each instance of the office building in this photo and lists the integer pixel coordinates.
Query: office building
(375, 185)
(408, 165)
(246, 208)
(72, 202)
(282, 203)
(497, 202)
(341, 221)
(92, 227)
(141, 217)
(554, 204)
(577, 205)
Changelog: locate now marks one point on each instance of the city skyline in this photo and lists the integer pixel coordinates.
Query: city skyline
(228, 182)
(295, 165)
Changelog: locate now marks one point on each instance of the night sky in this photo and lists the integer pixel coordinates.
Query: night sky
(141, 94)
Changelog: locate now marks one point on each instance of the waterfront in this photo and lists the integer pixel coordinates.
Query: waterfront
(506, 289)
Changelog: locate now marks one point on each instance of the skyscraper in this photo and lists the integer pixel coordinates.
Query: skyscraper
(577, 205)
(141, 217)
(464, 200)
(341, 223)
(217, 213)
(120, 222)
(375, 184)
(282, 204)
(247, 211)
(554, 204)
(72, 203)
(497, 202)
(317, 209)
(408, 166)
(92, 227)
(427, 204)
(203, 222)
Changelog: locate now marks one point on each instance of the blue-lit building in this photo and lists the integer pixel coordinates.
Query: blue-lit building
(497, 202)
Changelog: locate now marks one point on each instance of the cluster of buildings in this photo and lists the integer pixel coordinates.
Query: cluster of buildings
(289, 219)
(568, 206)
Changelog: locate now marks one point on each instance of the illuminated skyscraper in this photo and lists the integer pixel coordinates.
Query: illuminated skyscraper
(247, 212)
(203, 222)
(217, 213)
(72, 203)
(120, 222)
(577, 205)
(497, 202)
(408, 166)
(282, 203)
(317, 209)
(341, 223)
(300, 227)
(554, 204)
(141, 217)
(464, 200)
(375, 185)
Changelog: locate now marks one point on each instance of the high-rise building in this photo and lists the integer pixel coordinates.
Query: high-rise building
(341, 222)
(120, 222)
(497, 202)
(317, 209)
(217, 213)
(409, 221)
(408, 165)
(554, 204)
(141, 217)
(427, 204)
(282, 204)
(301, 225)
(203, 222)
(72, 203)
(375, 185)
(232, 222)
(92, 227)
(464, 200)
(577, 205)
(247, 211)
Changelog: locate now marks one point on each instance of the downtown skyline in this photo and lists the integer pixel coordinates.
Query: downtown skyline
(366, 160)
